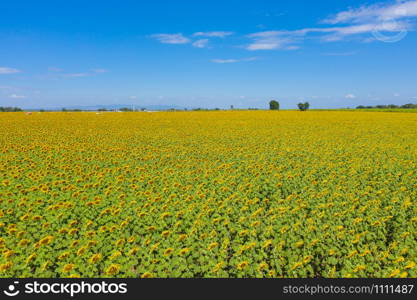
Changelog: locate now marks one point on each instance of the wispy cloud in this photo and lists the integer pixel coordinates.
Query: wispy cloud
(224, 61)
(202, 43)
(15, 96)
(166, 38)
(375, 19)
(6, 70)
(271, 40)
(377, 12)
(350, 96)
(220, 34)
(230, 61)
(76, 75)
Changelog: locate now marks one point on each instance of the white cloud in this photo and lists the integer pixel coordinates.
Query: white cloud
(166, 38)
(285, 40)
(14, 96)
(271, 40)
(133, 97)
(396, 95)
(374, 19)
(77, 75)
(220, 34)
(376, 12)
(224, 61)
(5, 70)
(230, 61)
(350, 96)
(203, 43)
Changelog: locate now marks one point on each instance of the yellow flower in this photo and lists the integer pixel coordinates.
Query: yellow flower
(63, 255)
(115, 255)
(242, 265)
(168, 251)
(218, 267)
(399, 259)
(113, 269)
(267, 244)
(133, 251)
(307, 259)
(81, 251)
(299, 244)
(68, 268)
(95, 258)
(394, 273)
(8, 253)
(30, 258)
(296, 265)
(46, 240)
(262, 266)
(146, 275)
(119, 242)
(359, 268)
(182, 237)
(184, 251)
(23, 242)
(212, 245)
(6, 266)
(410, 265)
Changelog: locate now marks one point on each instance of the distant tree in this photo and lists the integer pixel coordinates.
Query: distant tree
(125, 109)
(303, 106)
(102, 109)
(409, 105)
(64, 109)
(232, 107)
(274, 105)
(143, 109)
(10, 109)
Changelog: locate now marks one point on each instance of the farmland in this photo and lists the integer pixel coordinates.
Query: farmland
(208, 194)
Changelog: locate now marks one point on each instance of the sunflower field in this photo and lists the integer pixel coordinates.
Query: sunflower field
(208, 194)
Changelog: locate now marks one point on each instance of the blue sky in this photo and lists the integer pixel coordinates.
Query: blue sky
(208, 53)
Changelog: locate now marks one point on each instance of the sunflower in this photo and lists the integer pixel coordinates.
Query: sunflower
(68, 268)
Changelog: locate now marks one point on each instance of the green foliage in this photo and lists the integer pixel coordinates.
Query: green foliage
(10, 109)
(274, 105)
(390, 106)
(303, 106)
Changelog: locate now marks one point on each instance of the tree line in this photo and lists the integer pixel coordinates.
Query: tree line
(408, 105)
(9, 109)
